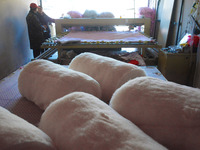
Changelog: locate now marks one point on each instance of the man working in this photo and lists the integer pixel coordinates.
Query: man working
(35, 30)
(45, 21)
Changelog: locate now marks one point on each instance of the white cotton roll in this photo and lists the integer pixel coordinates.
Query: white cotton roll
(42, 82)
(18, 134)
(166, 111)
(80, 121)
(110, 73)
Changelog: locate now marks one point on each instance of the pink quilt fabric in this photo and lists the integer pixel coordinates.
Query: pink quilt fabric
(107, 36)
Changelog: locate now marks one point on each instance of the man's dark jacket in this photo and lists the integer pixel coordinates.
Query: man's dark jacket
(35, 30)
(45, 20)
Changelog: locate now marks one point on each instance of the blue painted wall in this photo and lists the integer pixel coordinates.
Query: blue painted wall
(14, 42)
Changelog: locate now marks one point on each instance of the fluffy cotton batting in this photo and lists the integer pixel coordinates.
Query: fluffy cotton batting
(42, 82)
(166, 111)
(80, 121)
(18, 134)
(110, 73)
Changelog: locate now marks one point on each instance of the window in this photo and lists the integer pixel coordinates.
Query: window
(123, 8)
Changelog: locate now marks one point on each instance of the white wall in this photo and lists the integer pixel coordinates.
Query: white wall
(14, 42)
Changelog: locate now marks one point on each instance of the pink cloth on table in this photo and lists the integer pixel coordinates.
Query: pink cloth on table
(94, 36)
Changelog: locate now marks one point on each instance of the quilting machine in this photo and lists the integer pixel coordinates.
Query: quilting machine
(99, 43)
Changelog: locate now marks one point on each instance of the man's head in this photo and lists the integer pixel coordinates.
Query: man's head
(33, 6)
(40, 9)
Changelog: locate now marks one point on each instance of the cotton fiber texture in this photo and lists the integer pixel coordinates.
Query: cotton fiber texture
(110, 73)
(18, 134)
(166, 111)
(80, 121)
(42, 82)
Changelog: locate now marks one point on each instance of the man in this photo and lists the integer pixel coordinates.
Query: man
(45, 21)
(35, 30)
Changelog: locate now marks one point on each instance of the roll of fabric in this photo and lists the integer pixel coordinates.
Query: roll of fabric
(110, 73)
(18, 134)
(166, 111)
(81, 121)
(42, 82)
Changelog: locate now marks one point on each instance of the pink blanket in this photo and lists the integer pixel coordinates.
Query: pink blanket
(107, 36)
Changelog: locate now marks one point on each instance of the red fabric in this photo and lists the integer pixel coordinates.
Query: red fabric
(135, 62)
(193, 40)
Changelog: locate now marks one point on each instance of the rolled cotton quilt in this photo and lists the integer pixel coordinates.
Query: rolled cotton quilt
(18, 134)
(166, 111)
(81, 121)
(42, 82)
(110, 73)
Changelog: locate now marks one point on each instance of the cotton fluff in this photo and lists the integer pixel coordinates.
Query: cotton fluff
(90, 14)
(166, 111)
(107, 27)
(80, 121)
(74, 14)
(106, 15)
(42, 82)
(18, 134)
(109, 72)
